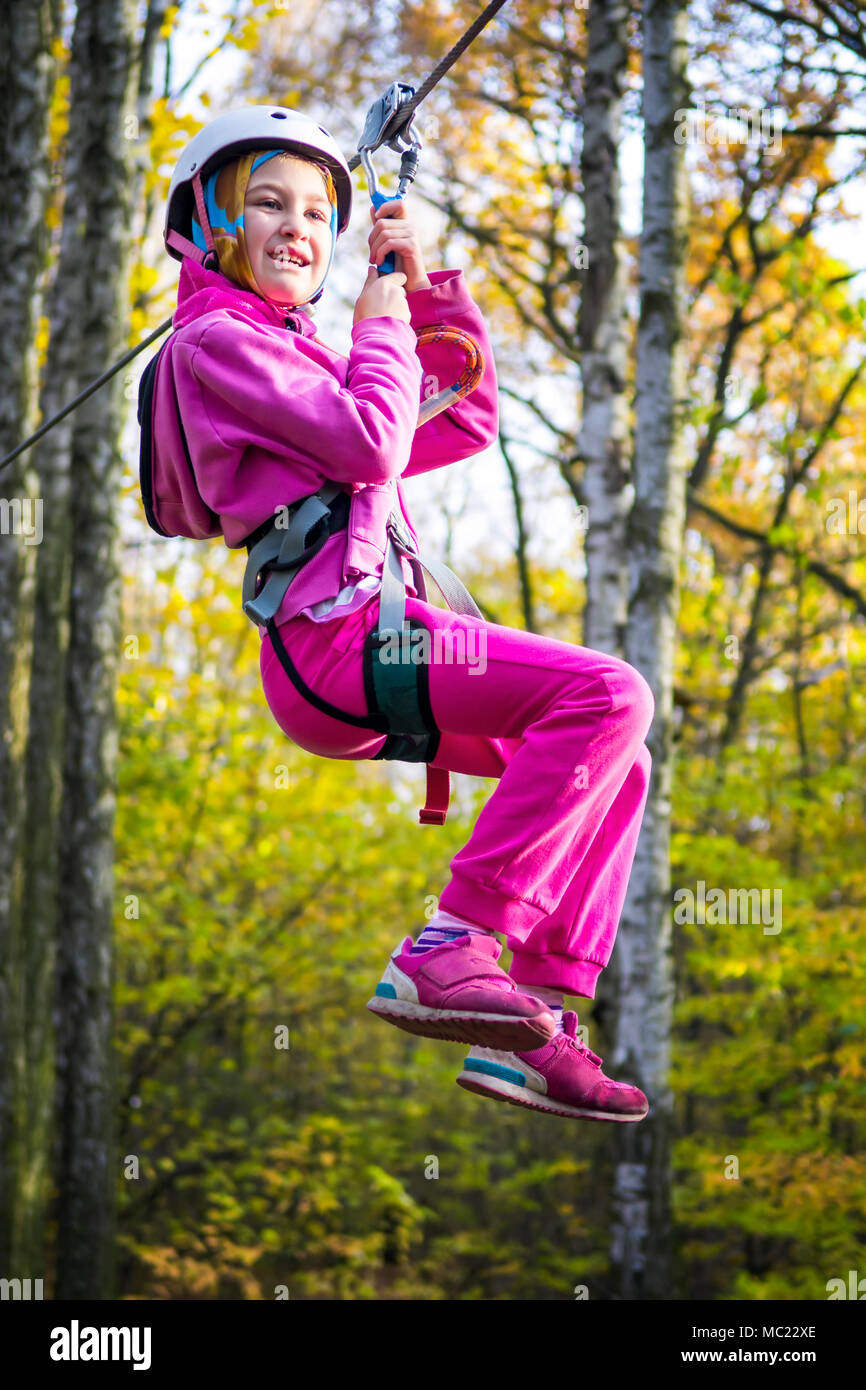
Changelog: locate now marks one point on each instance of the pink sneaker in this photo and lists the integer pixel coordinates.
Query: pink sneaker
(563, 1077)
(457, 991)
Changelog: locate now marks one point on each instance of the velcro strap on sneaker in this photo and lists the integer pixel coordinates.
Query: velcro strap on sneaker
(460, 966)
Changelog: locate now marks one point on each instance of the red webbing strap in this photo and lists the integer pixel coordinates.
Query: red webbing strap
(435, 808)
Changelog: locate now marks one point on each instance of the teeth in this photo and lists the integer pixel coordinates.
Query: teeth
(283, 258)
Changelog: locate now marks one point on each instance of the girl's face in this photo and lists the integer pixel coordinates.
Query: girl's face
(287, 219)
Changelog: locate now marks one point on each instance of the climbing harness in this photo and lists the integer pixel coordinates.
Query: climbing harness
(396, 688)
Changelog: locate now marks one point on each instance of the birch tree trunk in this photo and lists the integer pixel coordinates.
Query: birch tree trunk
(603, 441)
(71, 306)
(96, 252)
(27, 71)
(640, 1233)
(66, 307)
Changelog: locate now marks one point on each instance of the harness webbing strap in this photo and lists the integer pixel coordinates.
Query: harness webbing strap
(392, 603)
(283, 551)
(376, 721)
(435, 809)
(397, 689)
(400, 747)
(392, 619)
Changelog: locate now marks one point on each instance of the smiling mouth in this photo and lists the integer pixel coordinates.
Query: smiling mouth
(286, 261)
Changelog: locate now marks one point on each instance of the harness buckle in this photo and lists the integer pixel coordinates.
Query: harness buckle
(279, 558)
(397, 529)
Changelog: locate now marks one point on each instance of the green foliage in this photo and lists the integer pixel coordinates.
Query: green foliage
(261, 909)
(769, 1045)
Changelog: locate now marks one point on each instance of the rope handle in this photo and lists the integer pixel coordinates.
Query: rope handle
(469, 378)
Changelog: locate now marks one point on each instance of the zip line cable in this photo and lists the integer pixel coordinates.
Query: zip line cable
(403, 116)
(88, 391)
(398, 121)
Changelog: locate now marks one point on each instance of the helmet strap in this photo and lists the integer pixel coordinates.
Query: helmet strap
(208, 257)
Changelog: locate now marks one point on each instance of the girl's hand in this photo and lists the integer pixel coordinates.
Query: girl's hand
(392, 231)
(382, 295)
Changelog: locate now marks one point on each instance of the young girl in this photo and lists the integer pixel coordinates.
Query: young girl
(254, 412)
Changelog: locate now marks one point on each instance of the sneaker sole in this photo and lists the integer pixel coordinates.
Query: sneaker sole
(499, 1089)
(454, 1025)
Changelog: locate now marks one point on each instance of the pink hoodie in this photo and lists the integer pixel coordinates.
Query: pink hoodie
(270, 414)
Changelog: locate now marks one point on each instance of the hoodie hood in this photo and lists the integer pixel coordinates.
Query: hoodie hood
(173, 503)
(201, 292)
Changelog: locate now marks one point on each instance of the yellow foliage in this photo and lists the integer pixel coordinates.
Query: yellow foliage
(169, 132)
(43, 334)
(167, 25)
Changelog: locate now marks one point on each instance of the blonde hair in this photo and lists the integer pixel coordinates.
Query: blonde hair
(330, 186)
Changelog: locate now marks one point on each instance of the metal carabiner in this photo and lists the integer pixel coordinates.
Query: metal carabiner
(405, 142)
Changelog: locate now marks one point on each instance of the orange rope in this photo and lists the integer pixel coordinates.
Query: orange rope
(469, 378)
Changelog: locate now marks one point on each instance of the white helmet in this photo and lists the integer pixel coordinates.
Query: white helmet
(235, 133)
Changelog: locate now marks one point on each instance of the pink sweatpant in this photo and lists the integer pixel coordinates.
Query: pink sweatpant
(560, 726)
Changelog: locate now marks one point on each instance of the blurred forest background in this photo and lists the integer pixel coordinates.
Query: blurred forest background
(194, 1103)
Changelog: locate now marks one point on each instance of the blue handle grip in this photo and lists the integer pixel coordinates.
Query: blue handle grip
(378, 198)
